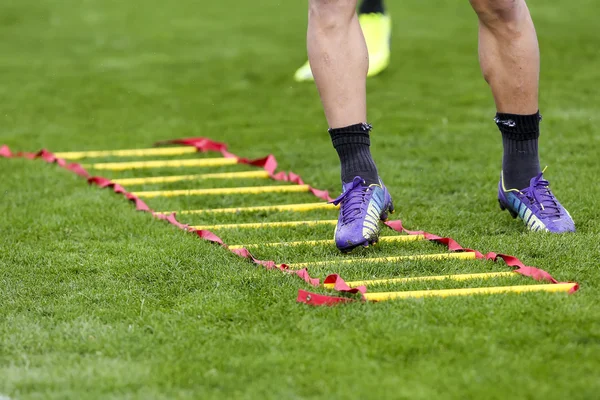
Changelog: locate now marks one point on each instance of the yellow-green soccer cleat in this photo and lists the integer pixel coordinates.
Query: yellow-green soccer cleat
(377, 29)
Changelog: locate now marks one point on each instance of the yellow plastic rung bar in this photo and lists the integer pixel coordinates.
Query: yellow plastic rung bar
(384, 296)
(443, 256)
(283, 207)
(260, 225)
(404, 238)
(159, 151)
(194, 162)
(217, 191)
(459, 277)
(180, 178)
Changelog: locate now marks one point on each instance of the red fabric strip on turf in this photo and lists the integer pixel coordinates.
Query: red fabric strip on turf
(314, 299)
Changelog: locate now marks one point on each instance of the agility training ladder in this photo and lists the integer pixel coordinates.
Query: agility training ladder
(265, 168)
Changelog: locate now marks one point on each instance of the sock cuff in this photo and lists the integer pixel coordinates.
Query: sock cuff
(353, 134)
(519, 127)
(356, 128)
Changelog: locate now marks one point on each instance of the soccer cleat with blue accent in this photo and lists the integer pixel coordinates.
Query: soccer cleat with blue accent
(536, 206)
(377, 29)
(362, 206)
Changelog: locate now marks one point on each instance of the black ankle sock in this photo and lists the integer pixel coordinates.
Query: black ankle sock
(520, 135)
(352, 145)
(371, 6)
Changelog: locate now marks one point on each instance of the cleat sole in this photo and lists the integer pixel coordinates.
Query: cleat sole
(365, 244)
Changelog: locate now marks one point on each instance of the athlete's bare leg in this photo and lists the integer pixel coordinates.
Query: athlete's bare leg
(509, 54)
(338, 58)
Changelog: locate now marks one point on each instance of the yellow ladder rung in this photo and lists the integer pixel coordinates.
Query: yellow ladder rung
(404, 238)
(458, 277)
(217, 191)
(384, 296)
(194, 162)
(283, 207)
(442, 256)
(159, 151)
(259, 225)
(180, 178)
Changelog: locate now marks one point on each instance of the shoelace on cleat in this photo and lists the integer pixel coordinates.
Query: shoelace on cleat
(353, 199)
(539, 192)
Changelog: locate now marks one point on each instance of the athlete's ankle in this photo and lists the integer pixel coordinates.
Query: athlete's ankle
(352, 145)
(520, 161)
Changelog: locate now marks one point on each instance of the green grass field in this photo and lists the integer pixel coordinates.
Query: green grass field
(98, 301)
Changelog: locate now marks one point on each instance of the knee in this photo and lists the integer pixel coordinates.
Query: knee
(331, 14)
(499, 14)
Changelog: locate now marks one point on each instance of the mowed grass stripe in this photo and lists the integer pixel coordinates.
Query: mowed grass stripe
(390, 239)
(159, 151)
(551, 288)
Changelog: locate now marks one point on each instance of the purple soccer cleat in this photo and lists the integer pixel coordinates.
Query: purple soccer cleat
(536, 206)
(361, 208)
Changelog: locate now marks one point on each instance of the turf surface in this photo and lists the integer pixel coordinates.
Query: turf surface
(98, 301)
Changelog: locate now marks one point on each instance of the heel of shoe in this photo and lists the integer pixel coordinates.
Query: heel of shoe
(503, 207)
